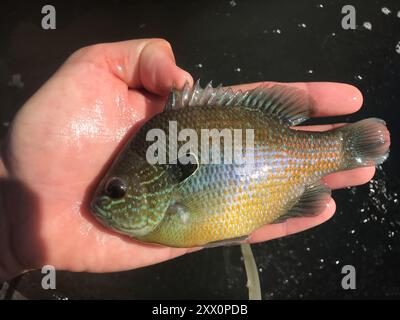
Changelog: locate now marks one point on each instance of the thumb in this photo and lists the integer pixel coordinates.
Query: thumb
(142, 63)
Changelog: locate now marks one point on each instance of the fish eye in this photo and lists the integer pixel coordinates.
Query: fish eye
(115, 188)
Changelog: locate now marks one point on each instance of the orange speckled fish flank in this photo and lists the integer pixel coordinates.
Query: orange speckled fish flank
(213, 204)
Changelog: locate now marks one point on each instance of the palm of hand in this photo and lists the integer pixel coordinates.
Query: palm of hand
(77, 119)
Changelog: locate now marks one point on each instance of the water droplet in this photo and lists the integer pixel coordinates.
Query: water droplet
(321, 260)
(352, 231)
(367, 25)
(238, 69)
(310, 274)
(199, 65)
(310, 71)
(302, 25)
(16, 81)
(260, 269)
(278, 31)
(308, 249)
(232, 3)
(337, 262)
(333, 34)
(386, 11)
(358, 77)
(398, 47)
(320, 5)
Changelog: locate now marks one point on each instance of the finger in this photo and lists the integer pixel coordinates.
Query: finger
(144, 63)
(146, 104)
(329, 98)
(322, 127)
(293, 225)
(348, 178)
(158, 71)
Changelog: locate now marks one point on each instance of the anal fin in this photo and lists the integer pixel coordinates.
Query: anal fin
(311, 202)
(226, 242)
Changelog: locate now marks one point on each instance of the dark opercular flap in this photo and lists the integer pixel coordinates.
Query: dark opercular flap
(185, 167)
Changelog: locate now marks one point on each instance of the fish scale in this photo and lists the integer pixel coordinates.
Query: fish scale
(211, 204)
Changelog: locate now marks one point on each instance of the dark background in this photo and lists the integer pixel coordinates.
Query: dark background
(234, 42)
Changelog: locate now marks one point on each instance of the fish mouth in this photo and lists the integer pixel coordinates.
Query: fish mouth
(99, 212)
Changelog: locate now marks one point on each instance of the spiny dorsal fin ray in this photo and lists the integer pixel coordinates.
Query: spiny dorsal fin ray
(293, 106)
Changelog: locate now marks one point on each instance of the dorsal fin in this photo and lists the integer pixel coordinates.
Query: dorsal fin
(291, 105)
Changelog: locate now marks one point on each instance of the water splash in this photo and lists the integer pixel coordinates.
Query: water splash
(367, 25)
(380, 207)
(16, 81)
(386, 10)
(398, 47)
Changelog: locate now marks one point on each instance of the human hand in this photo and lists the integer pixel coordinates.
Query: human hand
(64, 137)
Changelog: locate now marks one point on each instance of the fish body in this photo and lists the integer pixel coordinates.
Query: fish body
(207, 203)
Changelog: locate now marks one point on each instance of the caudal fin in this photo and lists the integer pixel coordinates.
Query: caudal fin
(366, 143)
